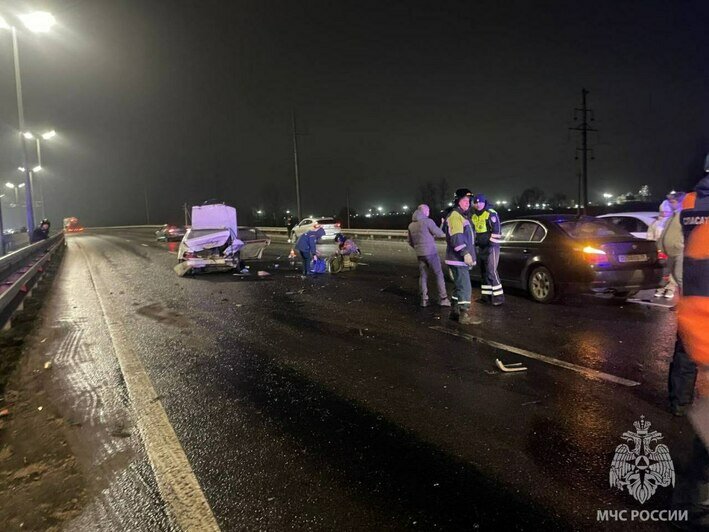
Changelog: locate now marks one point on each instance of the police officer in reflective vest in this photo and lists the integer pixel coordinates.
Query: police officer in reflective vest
(486, 222)
(693, 329)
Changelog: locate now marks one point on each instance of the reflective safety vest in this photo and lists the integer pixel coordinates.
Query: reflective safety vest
(487, 227)
(693, 307)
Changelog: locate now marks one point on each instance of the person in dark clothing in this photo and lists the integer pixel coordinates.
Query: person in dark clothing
(41, 232)
(291, 222)
(486, 223)
(307, 245)
(460, 256)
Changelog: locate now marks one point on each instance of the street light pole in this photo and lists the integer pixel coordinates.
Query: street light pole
(39, 182)
(295, 164)
(21, 117)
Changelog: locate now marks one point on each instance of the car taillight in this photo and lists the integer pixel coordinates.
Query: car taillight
(594, 255)
(171, 230)
(337, 224)
(661, 255)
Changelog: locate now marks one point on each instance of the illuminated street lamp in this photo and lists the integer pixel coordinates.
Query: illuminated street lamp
(29, 135)
(37, 22)
(15, 188)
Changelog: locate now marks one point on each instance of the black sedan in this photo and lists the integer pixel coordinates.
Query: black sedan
(550, 255)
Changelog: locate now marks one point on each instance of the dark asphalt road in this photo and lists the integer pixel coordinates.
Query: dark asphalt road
(332, 403)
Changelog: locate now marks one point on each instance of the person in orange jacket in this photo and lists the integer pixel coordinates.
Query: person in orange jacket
(693, 335)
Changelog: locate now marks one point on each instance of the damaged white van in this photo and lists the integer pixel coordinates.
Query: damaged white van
(211, 243)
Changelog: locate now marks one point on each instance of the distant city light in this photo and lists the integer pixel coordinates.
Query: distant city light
(607, 195)
(380, 209)
(259, 211)
(529, 206)
(405, 207)
(367, 215)
(287, 212)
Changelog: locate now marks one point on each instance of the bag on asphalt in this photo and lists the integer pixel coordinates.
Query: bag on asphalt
(318, 266)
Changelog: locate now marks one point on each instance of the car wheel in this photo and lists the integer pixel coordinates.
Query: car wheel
(541, 285)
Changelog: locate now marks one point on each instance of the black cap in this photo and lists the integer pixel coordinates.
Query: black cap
(479, 197)
(461, 193)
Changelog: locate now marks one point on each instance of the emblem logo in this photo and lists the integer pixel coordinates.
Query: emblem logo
(642, 469)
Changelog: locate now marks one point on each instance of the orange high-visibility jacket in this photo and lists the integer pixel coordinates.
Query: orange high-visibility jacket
(693, 307)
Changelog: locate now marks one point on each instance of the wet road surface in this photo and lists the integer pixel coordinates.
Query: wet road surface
(336, 403)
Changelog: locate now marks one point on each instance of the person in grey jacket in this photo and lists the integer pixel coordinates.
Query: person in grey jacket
(672, 243)
(422, 234)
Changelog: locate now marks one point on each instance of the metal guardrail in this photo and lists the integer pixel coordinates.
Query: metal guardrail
(371, 233)
(21, 268)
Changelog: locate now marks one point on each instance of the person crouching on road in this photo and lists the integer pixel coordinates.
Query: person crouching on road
(422, 234)
(345, 246)
(488, 236)
(460, 255)
(307, 245)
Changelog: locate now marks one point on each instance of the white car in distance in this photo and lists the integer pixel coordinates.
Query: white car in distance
(329, 224)
(635, 223)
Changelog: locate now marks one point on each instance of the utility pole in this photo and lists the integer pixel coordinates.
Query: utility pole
(585, 129)
(295, 164)
(348, 207)
(147, 208)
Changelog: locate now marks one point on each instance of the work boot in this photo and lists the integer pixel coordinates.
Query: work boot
(669, 293)
(466, 318)
(424, 302)
(445, 302)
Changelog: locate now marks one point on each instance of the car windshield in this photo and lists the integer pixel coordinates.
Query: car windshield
(591, 229)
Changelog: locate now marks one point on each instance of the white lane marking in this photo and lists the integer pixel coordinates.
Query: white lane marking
(586, 372)
(649, 303)
(176, 481)
(145, 245)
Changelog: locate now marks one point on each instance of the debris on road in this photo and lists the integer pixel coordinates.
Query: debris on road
(531, 402)
(510, 368)
(262, 273)
(182, 268)
(4, 412)
(48, 364)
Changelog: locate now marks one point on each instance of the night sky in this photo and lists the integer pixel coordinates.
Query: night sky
(190, 100)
